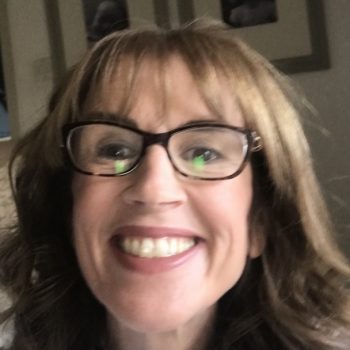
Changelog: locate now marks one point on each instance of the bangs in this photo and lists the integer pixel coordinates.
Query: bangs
(218, 62)
(114, 66)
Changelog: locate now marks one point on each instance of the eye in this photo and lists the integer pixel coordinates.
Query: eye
(201, 155)
(116, 151)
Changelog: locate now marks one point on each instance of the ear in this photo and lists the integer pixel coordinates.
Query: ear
(257, 244)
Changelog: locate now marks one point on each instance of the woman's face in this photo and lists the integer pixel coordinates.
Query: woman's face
(153, 205)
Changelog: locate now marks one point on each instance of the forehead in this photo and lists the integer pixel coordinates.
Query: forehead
(165, 93)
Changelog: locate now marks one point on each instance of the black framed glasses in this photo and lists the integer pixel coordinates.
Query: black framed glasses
(205, 151)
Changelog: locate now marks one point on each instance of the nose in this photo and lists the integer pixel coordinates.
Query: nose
(155, 182)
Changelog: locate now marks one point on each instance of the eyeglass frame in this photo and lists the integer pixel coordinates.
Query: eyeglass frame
(253, 144)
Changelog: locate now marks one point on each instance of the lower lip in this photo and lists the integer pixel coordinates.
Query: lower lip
(153, 265)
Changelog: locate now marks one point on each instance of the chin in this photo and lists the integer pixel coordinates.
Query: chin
(157, 319)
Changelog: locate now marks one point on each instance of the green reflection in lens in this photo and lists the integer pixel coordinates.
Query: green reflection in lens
(119, 166)
(198, 163)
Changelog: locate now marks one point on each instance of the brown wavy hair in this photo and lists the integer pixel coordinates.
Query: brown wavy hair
(292, 297)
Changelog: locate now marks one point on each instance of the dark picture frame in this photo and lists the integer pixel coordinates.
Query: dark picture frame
(296, 43)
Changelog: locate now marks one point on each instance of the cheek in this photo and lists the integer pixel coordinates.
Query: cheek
(226, 205)
(225, 215)
(94, 203)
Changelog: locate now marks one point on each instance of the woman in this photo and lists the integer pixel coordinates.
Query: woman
(168, 201)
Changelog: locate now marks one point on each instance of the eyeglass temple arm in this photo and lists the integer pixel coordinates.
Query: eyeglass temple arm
(257, 142)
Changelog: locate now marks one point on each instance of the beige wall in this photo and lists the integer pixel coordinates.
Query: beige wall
(36, 52)
(329, 92)
(5, 148)
(27, 61)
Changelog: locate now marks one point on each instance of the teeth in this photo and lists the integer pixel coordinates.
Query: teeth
(155, 248)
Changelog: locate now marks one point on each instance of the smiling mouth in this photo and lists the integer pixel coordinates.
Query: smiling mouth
(147, 247)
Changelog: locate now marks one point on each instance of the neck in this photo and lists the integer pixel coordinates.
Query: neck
(194, 335)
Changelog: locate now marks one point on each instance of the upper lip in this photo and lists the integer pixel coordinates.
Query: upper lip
(154, 231)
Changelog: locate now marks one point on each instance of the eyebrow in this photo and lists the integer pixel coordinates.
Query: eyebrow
(111, 117)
